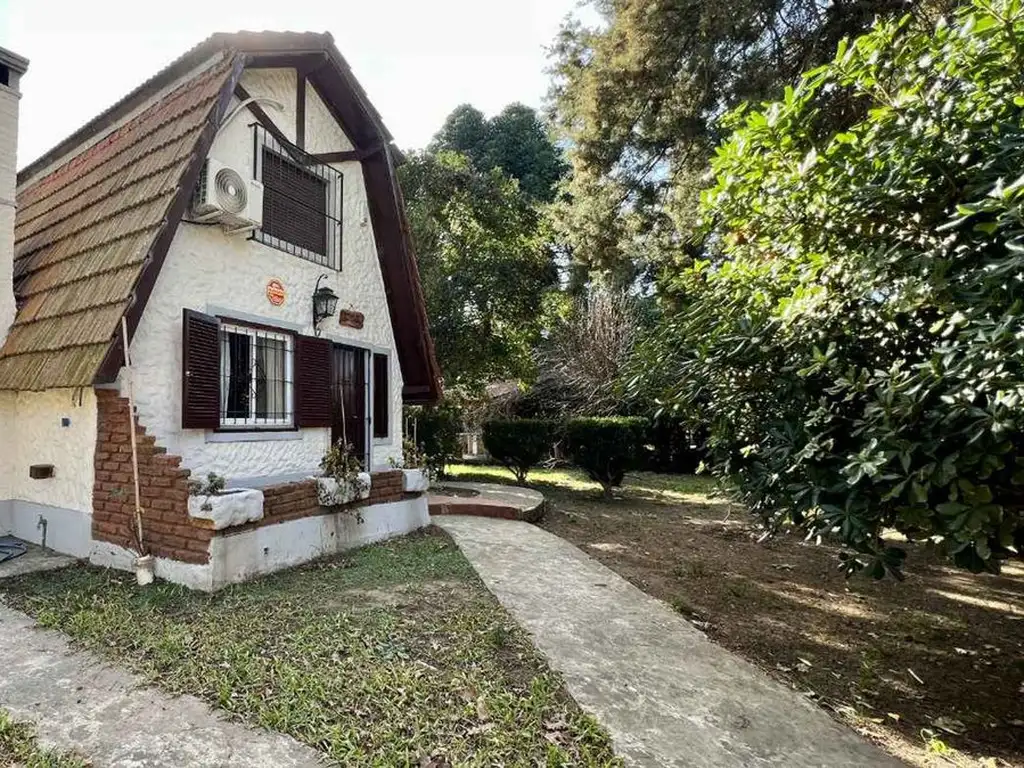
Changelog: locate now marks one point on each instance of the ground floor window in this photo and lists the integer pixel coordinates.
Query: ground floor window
(256, 383)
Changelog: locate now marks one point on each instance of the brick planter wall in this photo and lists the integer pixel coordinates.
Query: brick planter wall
(291, 501)
(168, 530)
(385, 487)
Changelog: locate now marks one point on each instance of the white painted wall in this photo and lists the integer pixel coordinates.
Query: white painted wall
(208, 271)
(37, 437)
(31, 432)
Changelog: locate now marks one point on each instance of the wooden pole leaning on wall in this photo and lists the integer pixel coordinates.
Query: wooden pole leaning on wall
(131, 431)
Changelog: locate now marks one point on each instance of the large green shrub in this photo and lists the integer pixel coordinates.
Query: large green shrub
(519, 444)
(606, 448)
(859, 350)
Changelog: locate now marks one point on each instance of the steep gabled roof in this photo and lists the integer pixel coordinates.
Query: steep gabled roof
(94, 224)
(84, 231)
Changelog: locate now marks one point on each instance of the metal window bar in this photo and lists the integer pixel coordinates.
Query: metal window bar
(297, 219)
(257, 385)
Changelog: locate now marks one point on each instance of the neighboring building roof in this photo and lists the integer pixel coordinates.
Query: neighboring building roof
(91, 234)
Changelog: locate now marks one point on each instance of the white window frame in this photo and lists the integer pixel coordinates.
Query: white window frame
(333, 210)
(253, 421)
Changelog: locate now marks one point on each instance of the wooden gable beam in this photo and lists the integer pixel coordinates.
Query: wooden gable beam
(300, 109)
(349, 155)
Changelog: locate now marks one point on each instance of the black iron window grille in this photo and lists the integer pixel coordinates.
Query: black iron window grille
(302, 199)
(256, 378)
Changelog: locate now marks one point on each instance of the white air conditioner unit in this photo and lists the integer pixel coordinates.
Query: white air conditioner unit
(225, 196)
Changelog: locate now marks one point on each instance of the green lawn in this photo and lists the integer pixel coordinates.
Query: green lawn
(18, 747)
(387, 656)
(574, 482)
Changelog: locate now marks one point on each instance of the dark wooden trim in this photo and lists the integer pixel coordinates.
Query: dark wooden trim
(302, 61)
(349, 155)
(300, 109)
(114, 358)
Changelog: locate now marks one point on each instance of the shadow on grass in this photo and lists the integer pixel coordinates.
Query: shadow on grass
(572, 483)
(930, 668)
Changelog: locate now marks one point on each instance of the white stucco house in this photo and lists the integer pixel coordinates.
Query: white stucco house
(199, 216)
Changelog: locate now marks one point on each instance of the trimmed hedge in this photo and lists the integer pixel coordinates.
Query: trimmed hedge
(606, 448)
(519, 444)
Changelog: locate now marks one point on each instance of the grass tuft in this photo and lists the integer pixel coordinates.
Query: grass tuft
(20, 747)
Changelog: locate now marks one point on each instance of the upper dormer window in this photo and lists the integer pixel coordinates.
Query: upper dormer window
(301, 201)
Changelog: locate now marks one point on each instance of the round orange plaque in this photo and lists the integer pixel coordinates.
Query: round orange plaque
(275, 292)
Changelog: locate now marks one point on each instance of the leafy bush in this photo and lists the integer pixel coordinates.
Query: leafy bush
(519, 444)
(859, 349)
(436, 433)
(606, 448)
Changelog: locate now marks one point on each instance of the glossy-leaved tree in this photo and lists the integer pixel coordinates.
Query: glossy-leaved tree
(857, 345)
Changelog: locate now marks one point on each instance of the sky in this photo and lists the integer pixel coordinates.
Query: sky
(417, 59)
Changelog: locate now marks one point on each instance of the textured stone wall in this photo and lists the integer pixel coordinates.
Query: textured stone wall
(167, 528)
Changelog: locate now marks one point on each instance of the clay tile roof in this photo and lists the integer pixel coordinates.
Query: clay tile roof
(84, 230)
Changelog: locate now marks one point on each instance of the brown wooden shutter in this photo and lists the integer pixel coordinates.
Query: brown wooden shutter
(312, 382)
(200, 371)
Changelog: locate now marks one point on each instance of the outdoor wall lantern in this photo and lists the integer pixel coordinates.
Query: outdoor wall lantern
(325, 302)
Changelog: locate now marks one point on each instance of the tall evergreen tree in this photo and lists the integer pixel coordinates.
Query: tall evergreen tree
(638, 100)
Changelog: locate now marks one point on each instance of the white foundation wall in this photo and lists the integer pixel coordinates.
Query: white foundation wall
(208, 271)
(247, 555)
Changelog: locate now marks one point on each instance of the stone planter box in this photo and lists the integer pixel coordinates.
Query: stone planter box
(331, 493)
(415, 480)
(234, 506)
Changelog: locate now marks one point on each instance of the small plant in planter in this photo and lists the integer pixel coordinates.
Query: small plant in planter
(343, 479)
(210, 500)
(416, 475)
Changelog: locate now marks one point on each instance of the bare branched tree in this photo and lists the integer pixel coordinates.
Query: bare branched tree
(582, 365)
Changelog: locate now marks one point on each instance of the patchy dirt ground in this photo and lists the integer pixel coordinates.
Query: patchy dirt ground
(931, 668)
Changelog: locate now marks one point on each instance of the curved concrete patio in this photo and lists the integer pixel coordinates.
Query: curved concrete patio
(667, 694)
(508, 502)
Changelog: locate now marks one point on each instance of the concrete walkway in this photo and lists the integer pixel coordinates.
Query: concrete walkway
(77, 702)
(667, 695)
